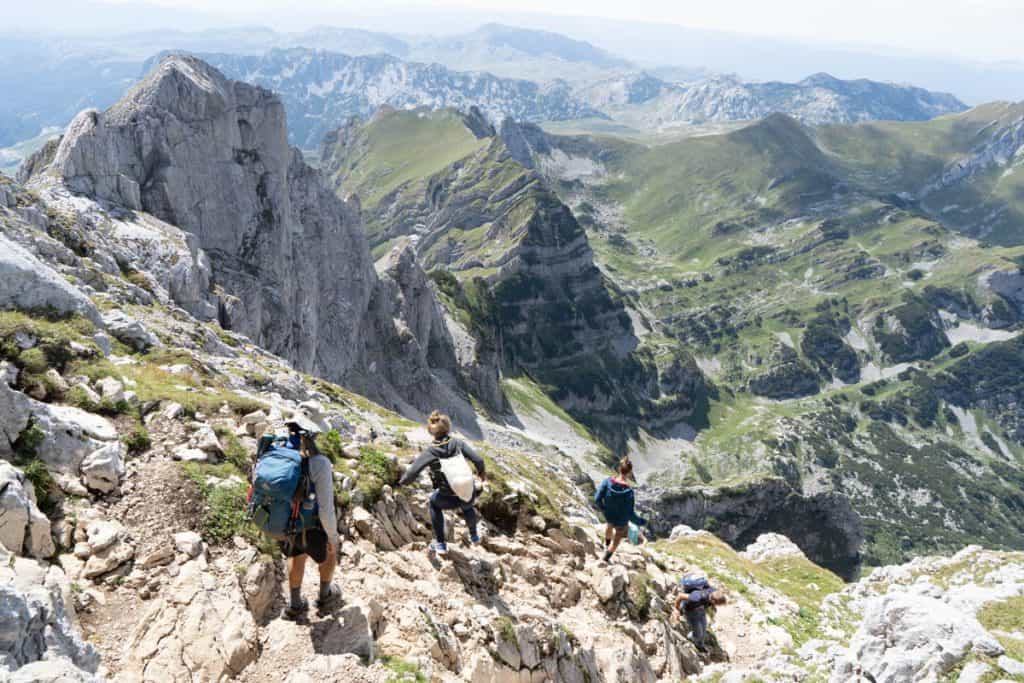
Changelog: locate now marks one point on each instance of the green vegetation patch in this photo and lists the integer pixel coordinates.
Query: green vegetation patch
(1006, 621)
(402, 671)
(225, 512)
(376, 470)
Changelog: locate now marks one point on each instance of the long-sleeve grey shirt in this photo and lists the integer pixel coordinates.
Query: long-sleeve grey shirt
(322, 475)
(432, 456)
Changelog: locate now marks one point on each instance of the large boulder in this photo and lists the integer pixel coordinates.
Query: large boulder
(913, 637)
(28, 284)
(37, 635)
(76, 446)
(24, 530)
(130, 331)
(771, 546)
(200, 631)
(103, 469)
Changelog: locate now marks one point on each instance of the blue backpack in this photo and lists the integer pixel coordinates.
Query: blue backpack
(694, 582)
(282, 502)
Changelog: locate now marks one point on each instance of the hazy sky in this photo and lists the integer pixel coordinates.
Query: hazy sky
(987, 30)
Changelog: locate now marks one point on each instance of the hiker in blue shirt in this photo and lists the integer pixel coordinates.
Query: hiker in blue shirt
(616, 499)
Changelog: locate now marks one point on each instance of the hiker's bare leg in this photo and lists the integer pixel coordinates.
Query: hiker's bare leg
(296, 568)
(327, 566)
(617, 539)
(608, 531)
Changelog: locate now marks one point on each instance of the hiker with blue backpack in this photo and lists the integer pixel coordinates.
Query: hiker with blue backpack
(291, 500)
(617, 500)
(455, 488)
(695, 597)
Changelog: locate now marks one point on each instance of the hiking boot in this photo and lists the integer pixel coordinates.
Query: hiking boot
(331, 600)
(474, 539)
(607, 556)
(438, 548)
(297, 612)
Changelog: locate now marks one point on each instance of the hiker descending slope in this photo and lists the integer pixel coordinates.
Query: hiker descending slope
(695, 597)
(617, 500)
(453, 481)
(292, 501)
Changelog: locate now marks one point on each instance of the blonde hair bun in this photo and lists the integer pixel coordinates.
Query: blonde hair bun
(439, 424)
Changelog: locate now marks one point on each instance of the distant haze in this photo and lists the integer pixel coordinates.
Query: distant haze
(968, 48)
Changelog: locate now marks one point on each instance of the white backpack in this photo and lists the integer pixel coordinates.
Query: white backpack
(459, 475)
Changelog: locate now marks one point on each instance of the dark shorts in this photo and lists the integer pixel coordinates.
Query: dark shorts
(312, 543)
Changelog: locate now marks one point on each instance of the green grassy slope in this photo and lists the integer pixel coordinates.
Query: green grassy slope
(399, 147)
(785, 262)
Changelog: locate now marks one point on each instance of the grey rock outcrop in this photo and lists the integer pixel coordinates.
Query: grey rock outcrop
(906, 637)
(211, 156)
(28, 284)
(24, 530)
(37, 636)
(199, 632)
(130, 331)
(287, 259)
(77, 447)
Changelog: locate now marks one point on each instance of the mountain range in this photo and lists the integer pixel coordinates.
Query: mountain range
(326, 74)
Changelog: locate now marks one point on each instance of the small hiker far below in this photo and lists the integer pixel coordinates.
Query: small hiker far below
(455, 487)
(616, 499)
(696, 596)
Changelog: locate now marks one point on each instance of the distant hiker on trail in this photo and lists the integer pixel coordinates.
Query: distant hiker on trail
(696, 596)
(454, 485)
(616, 499)
(292, 501)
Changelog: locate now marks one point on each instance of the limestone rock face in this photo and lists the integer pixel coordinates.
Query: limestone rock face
(24, 530)
(37, 637)
(26, 284)
(415, 348)
(211, 156)
(908, 637)
(826, 526)
(196, 632)
(286, 260)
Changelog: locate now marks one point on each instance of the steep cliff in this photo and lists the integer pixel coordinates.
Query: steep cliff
(504, 235)
(289, 263)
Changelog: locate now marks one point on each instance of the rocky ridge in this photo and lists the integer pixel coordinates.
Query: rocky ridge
(210, 157)
(320, 88)
(511, 259)
(818, 99)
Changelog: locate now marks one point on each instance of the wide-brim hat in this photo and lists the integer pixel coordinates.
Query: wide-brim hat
(305, 422)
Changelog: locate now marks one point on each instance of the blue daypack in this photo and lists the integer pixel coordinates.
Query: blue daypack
(282, 502)
(694, 582)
